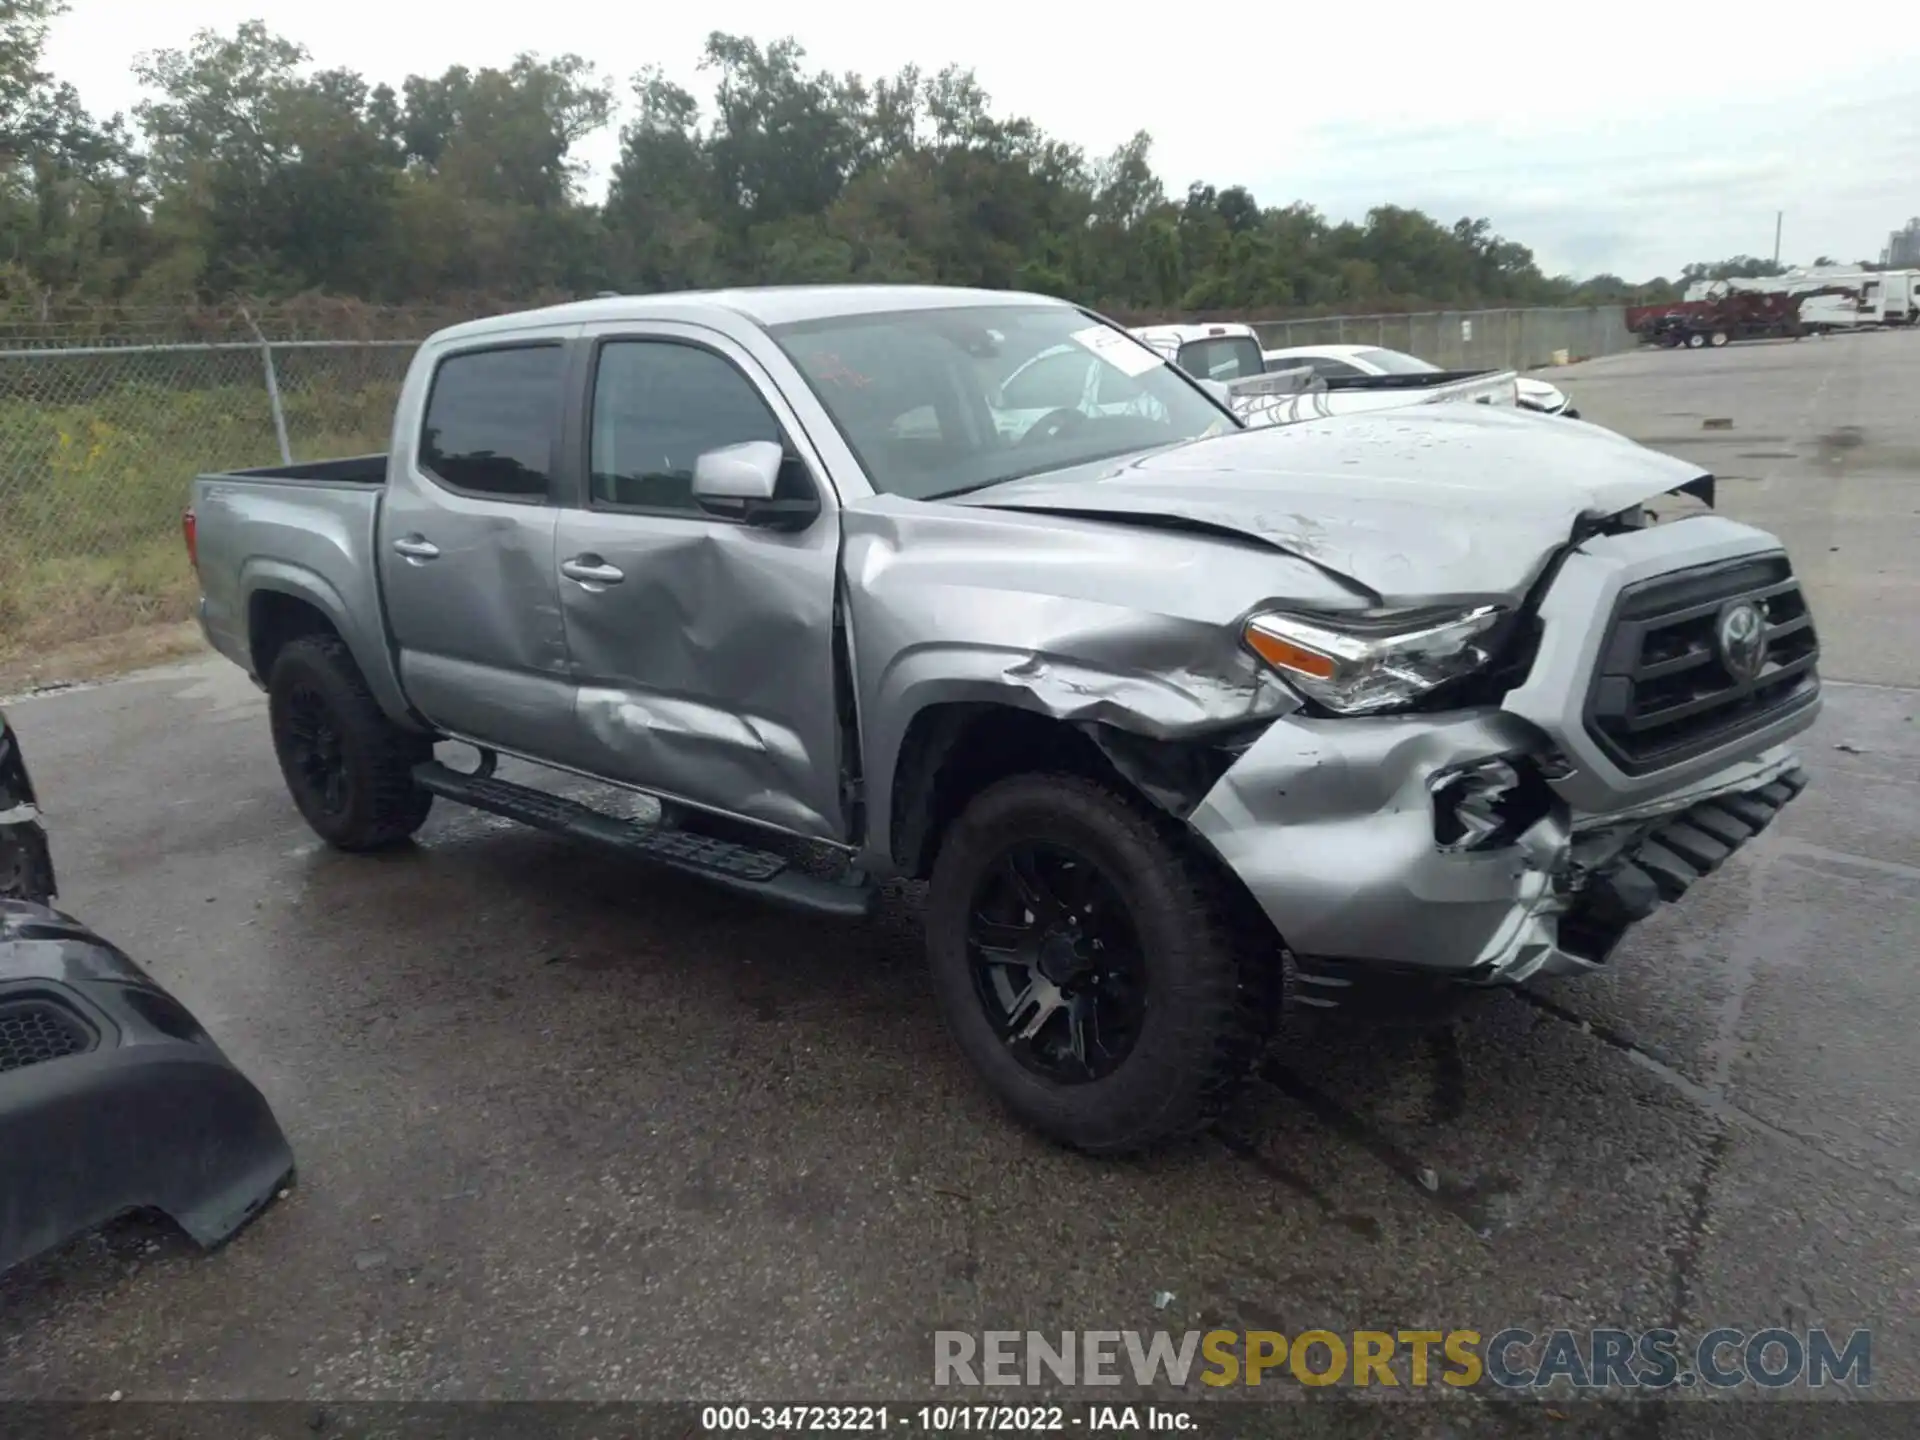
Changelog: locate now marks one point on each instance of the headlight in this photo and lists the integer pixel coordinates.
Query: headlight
(1364, 666)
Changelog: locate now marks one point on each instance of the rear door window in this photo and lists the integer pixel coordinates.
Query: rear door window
(491, 421)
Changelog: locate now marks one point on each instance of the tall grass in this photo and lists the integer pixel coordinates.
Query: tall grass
(94, 474)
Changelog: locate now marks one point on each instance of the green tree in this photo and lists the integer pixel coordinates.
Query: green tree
(259, 175)
(72, 198)
(784, 143)
(662, 206)
(269, 179)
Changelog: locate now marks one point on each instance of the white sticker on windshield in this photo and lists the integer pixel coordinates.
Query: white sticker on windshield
(1123, 352)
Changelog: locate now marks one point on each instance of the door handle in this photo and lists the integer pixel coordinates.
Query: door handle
(591, 570)
(416, 548)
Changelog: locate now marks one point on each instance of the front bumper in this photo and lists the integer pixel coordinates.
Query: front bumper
(113, 1098)
(1331, 825)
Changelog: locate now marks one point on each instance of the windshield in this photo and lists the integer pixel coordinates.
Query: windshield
(1233, 357)
(1392, 362)
(939, 401)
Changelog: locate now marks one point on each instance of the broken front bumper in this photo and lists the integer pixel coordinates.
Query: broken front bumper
(112, 1098)
(26, 866)
(1371, 845)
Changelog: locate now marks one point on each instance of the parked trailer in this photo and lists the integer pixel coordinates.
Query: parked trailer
(1733, 315)
(1847, 297)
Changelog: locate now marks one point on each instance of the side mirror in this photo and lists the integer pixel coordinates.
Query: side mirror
(1219, 391)
(737, 482)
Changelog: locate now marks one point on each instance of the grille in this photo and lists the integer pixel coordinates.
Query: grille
(35, 1031)
(1665, 691)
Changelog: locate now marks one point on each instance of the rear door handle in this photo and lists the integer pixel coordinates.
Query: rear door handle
(416, 548)
(591, 570)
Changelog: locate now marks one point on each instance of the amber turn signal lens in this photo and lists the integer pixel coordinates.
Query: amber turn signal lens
(1286, 655)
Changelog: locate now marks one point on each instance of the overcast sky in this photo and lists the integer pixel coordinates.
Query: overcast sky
(1619, 137)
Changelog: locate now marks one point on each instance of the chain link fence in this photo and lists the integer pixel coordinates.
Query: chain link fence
(99, 444)
(1468, 339)
(100, 439)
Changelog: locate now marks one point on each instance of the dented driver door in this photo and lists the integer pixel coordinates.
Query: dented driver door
(701, 646)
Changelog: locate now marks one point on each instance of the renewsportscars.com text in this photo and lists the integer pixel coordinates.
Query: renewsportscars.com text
(1602, 1359)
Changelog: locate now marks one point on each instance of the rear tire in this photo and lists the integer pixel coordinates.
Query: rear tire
(1717, 339)
(347, 766)
(1148, 1037)
(1696, 341)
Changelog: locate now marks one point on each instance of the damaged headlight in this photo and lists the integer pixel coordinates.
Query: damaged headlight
(1357, 666)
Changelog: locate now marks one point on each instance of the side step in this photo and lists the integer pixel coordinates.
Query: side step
(740, 868)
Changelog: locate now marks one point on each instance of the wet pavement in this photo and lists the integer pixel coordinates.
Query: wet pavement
(570, 1129)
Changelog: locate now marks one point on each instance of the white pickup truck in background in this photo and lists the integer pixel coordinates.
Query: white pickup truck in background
(1273, 388)
(1342, 363)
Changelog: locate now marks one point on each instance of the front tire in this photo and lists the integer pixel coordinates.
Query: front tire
(347, 766)
(1091, 968)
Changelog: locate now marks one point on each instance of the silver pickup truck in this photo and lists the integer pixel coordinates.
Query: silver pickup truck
(1180, 720)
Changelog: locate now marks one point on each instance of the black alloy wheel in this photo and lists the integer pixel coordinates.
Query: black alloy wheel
(348, 767)
(1092, 964)
(315, 756)
(1056, 962)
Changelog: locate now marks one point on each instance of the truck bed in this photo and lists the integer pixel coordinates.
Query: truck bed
(353, 470)
(305, 532)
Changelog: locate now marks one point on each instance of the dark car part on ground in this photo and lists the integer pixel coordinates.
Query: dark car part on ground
(26, 865)
(114, 1099)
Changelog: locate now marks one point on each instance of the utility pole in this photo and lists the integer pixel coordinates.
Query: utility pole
(1778, 216)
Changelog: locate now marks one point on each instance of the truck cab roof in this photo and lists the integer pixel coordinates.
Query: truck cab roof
(764, 306)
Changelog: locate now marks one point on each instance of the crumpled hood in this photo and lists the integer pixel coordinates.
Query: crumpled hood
(1427, 503)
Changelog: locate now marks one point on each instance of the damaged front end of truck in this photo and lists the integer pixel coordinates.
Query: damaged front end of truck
(1603, 707)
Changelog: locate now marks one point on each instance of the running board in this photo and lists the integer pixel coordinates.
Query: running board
(740, 868)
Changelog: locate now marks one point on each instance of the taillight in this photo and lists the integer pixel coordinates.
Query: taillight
(190, 532)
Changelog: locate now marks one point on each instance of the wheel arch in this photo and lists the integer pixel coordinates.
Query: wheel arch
(285, 602)
(953, 750)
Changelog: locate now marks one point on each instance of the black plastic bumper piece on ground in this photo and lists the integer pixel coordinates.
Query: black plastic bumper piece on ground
(26, 865)
(741, 868)
(113, 1099)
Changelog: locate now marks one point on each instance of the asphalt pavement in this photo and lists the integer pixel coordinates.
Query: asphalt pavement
(569, 1129)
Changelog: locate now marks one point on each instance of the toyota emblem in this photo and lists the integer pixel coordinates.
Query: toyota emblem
(1741, 637)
